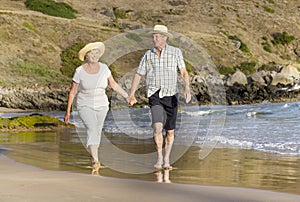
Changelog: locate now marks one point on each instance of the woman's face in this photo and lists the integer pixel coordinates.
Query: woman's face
(93, 55)
(159, 40)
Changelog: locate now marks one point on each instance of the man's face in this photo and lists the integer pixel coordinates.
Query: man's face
(159, 40)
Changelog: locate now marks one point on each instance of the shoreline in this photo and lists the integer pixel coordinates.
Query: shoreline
(12, 110)
(21, 182)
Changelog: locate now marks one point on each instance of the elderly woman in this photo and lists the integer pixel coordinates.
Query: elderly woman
(90, 81)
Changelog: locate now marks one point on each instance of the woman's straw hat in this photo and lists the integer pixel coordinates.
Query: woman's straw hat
(91, 46)
(161, 29)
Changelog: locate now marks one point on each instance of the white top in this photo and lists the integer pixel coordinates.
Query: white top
(92, 87)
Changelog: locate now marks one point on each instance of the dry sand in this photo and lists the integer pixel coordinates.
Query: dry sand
(19, 182)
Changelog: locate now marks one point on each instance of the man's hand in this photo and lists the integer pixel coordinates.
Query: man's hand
(187, 95)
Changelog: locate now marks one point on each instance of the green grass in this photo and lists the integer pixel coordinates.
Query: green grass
(37, 73)
(70, 60)
(269, 10)
(266, 45)
(29, 26)
(120, 13)
(50, 7)
(225, 70)
(282, 38)
(134, 37)
(246, 67)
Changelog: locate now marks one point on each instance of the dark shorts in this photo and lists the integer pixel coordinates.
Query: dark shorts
(164, 110)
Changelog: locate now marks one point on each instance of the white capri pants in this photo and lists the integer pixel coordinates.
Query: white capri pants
(93, 120)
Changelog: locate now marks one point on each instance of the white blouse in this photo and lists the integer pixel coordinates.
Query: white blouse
(92, 87)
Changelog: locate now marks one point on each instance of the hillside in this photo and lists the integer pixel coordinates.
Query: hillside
(29, 38)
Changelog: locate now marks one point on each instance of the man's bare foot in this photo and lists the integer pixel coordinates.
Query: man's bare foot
(158, 165)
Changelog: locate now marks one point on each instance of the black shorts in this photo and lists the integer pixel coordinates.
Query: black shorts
(164, 110)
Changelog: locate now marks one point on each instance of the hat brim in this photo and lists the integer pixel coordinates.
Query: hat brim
(169, 35)
(91, 46)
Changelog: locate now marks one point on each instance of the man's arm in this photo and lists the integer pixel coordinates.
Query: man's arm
(135, 82)
(186, 78)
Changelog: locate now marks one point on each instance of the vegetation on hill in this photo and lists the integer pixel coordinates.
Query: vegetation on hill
(51, 7)
(70, 60)
(42, 49)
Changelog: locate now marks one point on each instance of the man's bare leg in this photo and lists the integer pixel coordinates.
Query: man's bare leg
(158, 139)
(168, 148)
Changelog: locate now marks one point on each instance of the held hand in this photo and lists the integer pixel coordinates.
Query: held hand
(187, 95)
(131, 100)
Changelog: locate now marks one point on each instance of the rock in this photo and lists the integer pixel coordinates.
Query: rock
(286, 76)
(109, 13)
(40, 99)
(238, 77)
(258, 77)
(31, 122)
(236, 43)
(179, 2)
(290, 71)
(297, 51)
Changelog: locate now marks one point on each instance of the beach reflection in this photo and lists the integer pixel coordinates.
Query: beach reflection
(162, 176)
(63, 150)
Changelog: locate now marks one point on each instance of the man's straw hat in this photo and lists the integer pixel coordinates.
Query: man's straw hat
(91, 46)
(161, 29)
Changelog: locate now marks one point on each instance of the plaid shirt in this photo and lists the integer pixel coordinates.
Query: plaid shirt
(161, 71)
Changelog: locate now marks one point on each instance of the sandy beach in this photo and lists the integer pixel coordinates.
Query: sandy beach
(20, 182)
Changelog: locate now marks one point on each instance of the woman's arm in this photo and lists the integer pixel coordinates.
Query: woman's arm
(115, 86)
(72, 94)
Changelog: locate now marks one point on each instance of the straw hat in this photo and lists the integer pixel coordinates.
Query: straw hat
(161, 29)
(91, 46)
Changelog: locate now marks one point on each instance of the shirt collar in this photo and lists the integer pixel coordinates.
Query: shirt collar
(165, 48)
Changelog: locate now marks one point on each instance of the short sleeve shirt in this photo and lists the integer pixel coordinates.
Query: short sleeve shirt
(92, 87)
(161, 71)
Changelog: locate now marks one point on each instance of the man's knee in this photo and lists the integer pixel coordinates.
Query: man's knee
(157, 127)
(170, 133)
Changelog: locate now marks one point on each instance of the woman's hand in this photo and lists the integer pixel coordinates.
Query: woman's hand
(67, 117)
(131, 100)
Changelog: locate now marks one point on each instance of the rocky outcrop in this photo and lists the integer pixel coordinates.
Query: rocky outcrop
(208, 87)
(34, 98)
(258, 87)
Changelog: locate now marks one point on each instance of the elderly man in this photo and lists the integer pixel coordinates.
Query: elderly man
(160, 65)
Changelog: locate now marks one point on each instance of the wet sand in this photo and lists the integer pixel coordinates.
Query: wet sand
(20, 182)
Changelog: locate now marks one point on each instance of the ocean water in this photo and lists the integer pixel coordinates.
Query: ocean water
(244, 145)
(268, 127)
